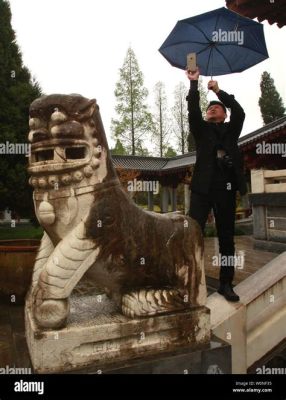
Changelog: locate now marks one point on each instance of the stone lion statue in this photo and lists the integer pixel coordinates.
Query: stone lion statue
(147, 263)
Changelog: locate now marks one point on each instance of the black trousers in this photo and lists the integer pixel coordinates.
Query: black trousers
(223, 203)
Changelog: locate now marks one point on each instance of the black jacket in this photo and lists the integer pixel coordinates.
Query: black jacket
(206, 138)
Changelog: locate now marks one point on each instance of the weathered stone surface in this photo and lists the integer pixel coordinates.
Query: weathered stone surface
(98, 335)
(6, 347)
(148, 263)
(213, 358)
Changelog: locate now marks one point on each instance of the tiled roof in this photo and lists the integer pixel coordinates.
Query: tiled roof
(154, 163)
(274, 126)
(138, 162)
(181, 161)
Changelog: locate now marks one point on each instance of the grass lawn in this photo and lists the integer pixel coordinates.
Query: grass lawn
(27, 231)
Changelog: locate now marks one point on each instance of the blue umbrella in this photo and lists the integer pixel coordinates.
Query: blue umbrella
(224, 41)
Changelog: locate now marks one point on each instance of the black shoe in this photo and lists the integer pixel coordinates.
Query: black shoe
(226, 290)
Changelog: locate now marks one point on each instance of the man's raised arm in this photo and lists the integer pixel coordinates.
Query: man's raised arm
(195, 114)
(237, 115)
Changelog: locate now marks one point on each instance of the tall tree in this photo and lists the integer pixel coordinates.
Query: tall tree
(161, 119)
(134, 120)
(180, 114)
(185, 138)
(17, 92)
(270, 101)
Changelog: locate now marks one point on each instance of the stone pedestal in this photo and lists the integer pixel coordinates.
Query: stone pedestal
(213, 358)
(99, 337)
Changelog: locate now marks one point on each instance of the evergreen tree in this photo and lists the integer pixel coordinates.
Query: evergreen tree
(118, 149)
(270, 101)
(161, 126)
(141, 150)
(17, 92)
(134, 120)
(170, 152)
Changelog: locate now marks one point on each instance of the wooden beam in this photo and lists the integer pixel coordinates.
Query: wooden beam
(275, 188)
(281, 173)
(280, 19)
(254, 9)
(270, 13)
(248, 3)
(259, 11)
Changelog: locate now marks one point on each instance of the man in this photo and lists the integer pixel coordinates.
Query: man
(218, 171)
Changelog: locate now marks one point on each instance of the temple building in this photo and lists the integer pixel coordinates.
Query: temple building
(263, 148)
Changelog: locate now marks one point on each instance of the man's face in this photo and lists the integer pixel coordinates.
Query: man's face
(215, 113)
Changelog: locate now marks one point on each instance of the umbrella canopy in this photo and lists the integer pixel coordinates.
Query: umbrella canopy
(224, 41)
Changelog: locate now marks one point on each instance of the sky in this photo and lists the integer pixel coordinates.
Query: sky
(73, 46)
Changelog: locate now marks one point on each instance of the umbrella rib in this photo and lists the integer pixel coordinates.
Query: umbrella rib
(195, 26)
(209, 59)
(185, 41)
(224, 59)
(205, 48)
(216, 23)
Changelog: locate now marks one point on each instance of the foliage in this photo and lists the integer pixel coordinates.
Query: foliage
(161, 120)
(270, 101)
(18, 90)
(134, 120)
(180, 114)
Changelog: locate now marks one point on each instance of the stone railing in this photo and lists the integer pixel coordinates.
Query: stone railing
(258, 323)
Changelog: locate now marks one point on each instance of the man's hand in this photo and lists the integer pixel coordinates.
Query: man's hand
(213, 85)
(193, 75)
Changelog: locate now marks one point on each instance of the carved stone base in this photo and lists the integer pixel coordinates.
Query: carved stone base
(214, 358)
(97, 335)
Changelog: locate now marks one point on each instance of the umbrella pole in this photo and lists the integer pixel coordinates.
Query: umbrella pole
(212, 64)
